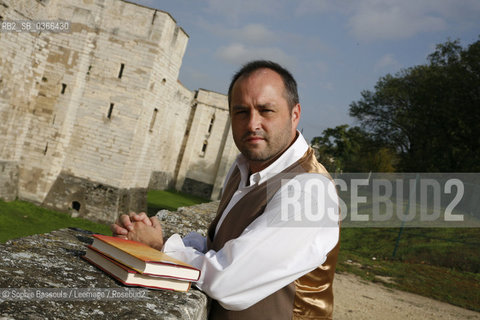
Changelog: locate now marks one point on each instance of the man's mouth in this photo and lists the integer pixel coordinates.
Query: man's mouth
(254, 139)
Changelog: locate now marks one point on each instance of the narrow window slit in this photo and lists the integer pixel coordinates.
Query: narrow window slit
(122, 66)
(212, 120)
(154, 117)
(110, 110)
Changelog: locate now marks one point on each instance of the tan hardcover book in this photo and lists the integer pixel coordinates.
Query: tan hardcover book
(131, 277)
(143, 258)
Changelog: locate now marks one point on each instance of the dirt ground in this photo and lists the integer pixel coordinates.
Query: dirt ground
(357, 299)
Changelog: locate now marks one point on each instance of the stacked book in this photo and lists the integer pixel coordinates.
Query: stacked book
(137, 264)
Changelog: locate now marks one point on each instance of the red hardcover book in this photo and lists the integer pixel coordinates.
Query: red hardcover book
(131, 277)
(143, 258)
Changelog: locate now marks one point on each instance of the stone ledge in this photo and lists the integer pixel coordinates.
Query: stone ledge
(186, 219)
(52, 260)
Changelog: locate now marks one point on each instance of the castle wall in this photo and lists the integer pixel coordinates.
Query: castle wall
(173, 125)
(101, 108)
(8, 180)
(23, 67)
(209, 146)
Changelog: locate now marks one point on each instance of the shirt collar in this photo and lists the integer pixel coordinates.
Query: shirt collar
(290, 156)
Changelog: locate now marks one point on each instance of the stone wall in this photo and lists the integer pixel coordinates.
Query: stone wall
(160, 181)
(103, 104)
(92, 200)
(209, 148)
(8, 180)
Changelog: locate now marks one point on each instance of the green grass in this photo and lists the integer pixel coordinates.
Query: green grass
(441, 263)
(170, 200)
(20, 219)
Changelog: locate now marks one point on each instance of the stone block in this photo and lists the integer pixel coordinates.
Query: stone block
(160, 181)
(92, 200)
(8, 180)
(197, 188)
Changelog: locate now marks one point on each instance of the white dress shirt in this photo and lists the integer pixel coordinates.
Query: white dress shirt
(293, 236)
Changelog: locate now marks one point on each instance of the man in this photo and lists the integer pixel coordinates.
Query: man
(271, 251)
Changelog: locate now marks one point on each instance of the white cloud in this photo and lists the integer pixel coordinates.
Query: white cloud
(255, 33)
(316, 7)
(387, 62)
(376, 19)
(238, 53)
(457, 12)
(396, 19)
(234, 53)
(235, 10)
(306, 7)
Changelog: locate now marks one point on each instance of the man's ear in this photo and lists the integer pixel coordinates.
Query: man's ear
(296, 111)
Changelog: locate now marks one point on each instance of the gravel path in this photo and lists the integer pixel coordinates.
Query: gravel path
(357, 299)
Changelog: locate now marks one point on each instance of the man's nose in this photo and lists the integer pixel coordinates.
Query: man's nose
(254, 121)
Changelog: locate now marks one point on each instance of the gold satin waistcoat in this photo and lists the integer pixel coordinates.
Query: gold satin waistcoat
(310, 296)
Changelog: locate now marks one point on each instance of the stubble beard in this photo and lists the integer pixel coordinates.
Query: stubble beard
(273, 147)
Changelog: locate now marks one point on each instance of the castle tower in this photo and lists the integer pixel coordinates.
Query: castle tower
(92, 115)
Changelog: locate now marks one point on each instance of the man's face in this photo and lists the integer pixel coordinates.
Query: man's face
(262, 124)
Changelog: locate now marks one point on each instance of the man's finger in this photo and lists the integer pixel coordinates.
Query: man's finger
(117, 230)
(126, 222)
(142, 216)
(155, 222)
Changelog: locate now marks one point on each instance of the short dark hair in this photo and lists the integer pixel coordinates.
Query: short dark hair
(291, 92)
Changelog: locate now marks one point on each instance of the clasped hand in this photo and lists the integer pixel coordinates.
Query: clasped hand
(139, 227)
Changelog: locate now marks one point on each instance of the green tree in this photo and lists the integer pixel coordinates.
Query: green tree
(430, 113)
(345, 149)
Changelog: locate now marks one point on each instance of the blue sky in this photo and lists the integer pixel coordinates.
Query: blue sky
(335, 49)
